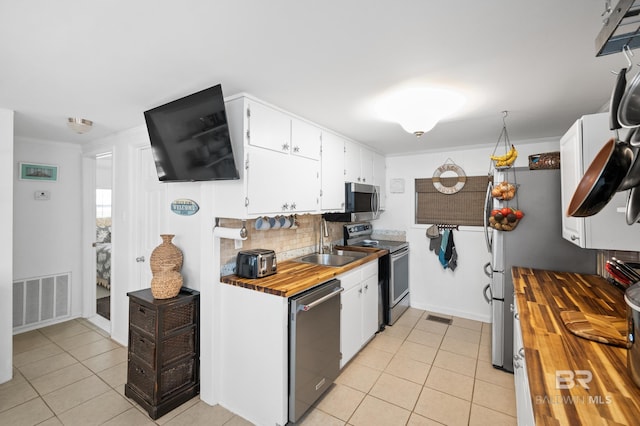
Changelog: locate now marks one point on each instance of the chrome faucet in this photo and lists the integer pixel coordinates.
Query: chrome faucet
(324, 232)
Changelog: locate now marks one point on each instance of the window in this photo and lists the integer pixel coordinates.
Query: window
(103, 203)
(465, 207)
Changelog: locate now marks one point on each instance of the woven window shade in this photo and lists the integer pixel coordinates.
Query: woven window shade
(465, 207)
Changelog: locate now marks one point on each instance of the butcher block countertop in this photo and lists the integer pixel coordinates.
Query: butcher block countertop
(292, 277)
(612, 397)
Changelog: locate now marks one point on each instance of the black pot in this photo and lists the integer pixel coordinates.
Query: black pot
(601, 180)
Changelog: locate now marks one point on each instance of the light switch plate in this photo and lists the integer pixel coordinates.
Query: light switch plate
(42, 195)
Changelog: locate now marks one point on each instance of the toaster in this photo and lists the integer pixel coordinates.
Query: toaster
(256, 263)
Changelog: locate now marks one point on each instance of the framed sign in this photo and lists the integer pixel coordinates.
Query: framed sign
(33, 171)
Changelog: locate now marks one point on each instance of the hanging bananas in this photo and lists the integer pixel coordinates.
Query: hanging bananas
(507, 159)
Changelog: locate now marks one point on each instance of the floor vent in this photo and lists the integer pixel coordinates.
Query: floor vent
(40, 300)
(436, 318)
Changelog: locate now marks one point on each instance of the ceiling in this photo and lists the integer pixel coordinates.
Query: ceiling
(327, 61)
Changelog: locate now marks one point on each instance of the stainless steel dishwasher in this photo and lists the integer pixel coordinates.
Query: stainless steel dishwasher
(314, 345)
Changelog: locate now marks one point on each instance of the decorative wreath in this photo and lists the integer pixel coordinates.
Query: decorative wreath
(449, 167)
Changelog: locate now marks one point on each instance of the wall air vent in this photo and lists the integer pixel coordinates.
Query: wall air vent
(38, 301)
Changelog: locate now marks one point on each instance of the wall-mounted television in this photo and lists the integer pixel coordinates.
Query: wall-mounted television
(190, 138)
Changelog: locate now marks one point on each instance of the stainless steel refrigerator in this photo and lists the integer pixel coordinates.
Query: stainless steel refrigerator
(536, 242)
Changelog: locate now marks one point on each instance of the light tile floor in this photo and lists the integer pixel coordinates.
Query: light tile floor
(417, 372)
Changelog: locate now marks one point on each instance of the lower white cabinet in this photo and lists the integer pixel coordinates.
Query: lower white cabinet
(359, 315)
(524, 407)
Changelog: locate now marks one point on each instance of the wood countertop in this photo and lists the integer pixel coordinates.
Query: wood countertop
(293, 277)
(612, 397)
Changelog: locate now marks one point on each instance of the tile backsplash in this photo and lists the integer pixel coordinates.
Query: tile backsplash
(287, 243)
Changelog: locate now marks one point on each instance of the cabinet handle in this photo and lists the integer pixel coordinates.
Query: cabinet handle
(141, 310)
(293, 206)
(359, 179)
(285, 206)
(285, 147)
(574, 237)
(364, 179)
(516, 316)
(521, 352)
(360, 290)
(366, 287)
(296, 149)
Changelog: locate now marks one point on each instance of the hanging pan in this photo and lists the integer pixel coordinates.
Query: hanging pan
(601, 180)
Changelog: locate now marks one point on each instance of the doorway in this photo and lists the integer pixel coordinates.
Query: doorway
(103, 230)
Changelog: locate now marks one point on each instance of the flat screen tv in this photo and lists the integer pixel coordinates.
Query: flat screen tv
(190, 138)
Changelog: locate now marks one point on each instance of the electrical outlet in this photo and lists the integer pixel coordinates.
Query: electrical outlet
(42, 195)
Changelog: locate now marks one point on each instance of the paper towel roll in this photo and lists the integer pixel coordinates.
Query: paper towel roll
(230, 233)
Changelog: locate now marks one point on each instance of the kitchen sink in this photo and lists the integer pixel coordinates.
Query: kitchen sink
(336, 258)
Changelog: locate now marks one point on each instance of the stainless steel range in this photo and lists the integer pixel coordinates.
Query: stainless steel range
(393, 270)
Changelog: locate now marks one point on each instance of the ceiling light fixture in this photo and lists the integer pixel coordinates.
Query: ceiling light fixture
(79, 125)
(418, 110)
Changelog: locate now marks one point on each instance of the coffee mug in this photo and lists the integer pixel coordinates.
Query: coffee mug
(274, 222)
(285, 222)
(262, 223)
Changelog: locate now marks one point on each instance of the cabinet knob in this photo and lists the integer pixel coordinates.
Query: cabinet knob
(285, 147)
(140, 259)
(296, 149)
(359, 290)
(285, 206)
(293, 206)
(366, 287)
(574, 237)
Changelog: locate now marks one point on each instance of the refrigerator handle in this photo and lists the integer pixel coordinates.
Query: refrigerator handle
(488, 270)
(485, 218)
(484, 293)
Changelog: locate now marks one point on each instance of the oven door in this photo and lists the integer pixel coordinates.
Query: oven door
(399, 276)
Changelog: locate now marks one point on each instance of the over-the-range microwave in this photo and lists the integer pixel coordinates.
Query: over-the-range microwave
(361, 203)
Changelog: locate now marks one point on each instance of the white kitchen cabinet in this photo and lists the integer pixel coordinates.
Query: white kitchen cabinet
(358, 163)
(607, 229)
(280, 184)
(332, 173)
(268, 128)
(305, 139)
(524, 406)
(359, 315)
(277, 174)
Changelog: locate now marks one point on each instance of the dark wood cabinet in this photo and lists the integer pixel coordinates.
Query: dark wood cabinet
(164, 350)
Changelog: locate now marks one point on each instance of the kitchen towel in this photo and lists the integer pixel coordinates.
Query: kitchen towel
(448, 256)
(443, 248)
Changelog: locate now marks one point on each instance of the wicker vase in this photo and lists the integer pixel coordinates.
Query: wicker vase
(166, 283)
(166, 254)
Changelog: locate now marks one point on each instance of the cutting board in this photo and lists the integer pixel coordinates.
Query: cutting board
(599, 328)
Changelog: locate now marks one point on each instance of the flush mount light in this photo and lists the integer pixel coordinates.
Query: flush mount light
(418, 110)
(79, 125)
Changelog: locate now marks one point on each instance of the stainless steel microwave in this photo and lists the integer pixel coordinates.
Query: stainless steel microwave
(361, 203)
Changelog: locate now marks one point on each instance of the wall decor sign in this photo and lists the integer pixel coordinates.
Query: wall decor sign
(184, 207)
(449, 166)
(33, 171)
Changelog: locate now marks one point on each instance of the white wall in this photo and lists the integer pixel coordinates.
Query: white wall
(6, 248)
(433, 288)
(47, 234)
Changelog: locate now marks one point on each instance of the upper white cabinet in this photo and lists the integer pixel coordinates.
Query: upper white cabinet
(275, 130)
(305, 139)
(358, 163)
(332, 173)
(607, 229)
(268, 128)
(286, 163)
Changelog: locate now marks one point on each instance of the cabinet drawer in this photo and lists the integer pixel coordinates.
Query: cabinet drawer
(142, 317)
(370, 269)
(142, 379)
(143, 348)
(350, 279)
(174, 317)
(176, 347)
